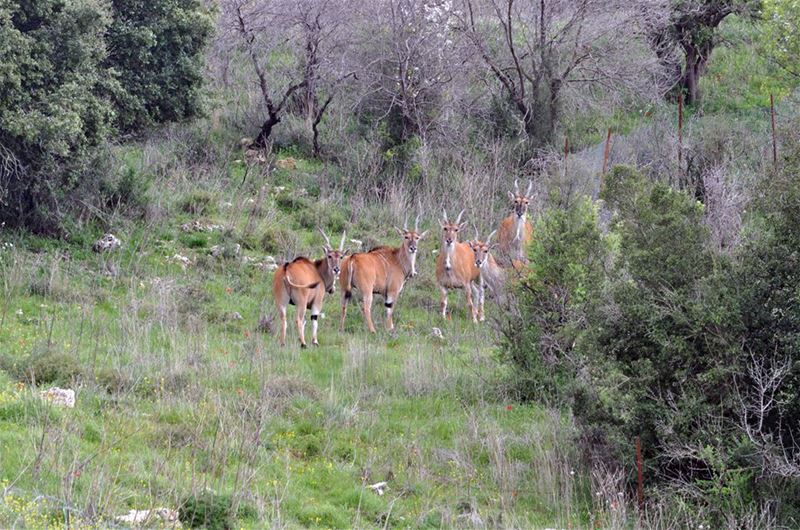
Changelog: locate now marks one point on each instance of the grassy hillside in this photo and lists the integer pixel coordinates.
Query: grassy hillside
(184, 399)
(182, 392)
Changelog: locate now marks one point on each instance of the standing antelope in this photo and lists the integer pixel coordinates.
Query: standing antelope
(455, 268)
(492, 274)
(303, 283)
(516, 232)
(383, 270)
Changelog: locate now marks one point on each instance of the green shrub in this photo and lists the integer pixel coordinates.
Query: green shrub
(129, 191)
(291, 203)
(278, 240)
(199, 202)
(566, 265)
(156, 48)
(49, 367)
(207, 510)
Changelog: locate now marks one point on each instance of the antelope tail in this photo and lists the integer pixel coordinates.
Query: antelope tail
(347, 286)
(290, 283)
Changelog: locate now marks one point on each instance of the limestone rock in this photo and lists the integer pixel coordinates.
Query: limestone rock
(107, 243)
(139, 518)
(60, 397)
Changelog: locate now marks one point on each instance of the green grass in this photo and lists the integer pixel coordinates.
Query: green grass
(176, 397)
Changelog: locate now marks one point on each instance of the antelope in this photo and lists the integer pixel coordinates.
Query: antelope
(516, 232)
(455, 268)
(303, 283)
(383, 270)
(492, 273)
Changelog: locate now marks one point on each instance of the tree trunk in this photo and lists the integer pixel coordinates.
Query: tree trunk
(266, 129)
(690, 81)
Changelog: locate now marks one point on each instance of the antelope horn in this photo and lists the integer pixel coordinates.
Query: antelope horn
(489, 237)
(327, 240)
(530, 187)
(405, 222)
(416, 223)
(516, 187)
(445, 215)
(458, 219)
(341, 243)
(477, 236)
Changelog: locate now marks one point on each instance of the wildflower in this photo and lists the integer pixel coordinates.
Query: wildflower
(509, 407)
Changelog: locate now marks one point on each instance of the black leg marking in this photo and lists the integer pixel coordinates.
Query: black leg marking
(314, 317)
(388, 304)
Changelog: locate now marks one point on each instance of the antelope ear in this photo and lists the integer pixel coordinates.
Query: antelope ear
(346, 252)
(462, 225)
(401, 232)
(423, 234)
(325, 252)
(511, 196)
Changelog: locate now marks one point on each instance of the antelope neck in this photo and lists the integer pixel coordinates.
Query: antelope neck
(519, 224)
(324, 272)
(449, 251)
(407, 260)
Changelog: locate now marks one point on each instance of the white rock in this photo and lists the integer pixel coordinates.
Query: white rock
(219, 250)
(197, 226)
(61, 397)
(379, 487)
(183, 260)
(437, 333)
(107, 243)
(143, 517)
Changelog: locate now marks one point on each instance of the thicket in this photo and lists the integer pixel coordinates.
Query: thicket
(646, 329)
(73, 75)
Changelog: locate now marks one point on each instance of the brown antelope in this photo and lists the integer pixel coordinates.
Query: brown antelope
(493, 275)
(303, 283)
(383, 270)
(455, 268)
(516, 231)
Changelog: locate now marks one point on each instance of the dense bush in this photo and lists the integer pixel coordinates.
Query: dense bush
(207, 510)
(694, 352)
(71, 71)
(156, 49)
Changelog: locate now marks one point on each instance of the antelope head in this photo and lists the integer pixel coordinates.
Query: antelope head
(333, 257)
(410, 240)
(450, 230)
(520, 201)
(481, 249)
(450, 236)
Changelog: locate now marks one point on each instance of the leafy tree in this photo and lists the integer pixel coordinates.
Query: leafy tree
(690, 30)
(71, 71)
(567, 259)
(54, 102)
(156, 49)
(782, 19)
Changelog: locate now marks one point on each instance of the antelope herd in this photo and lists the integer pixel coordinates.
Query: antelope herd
(470, 266)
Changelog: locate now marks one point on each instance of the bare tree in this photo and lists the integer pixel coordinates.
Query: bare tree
(411, 59)
(294, 48)
(539, 49)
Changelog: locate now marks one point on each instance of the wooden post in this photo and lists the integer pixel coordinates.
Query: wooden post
(606, 151)
(774, 143)
(680, 127)
(639, 475)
